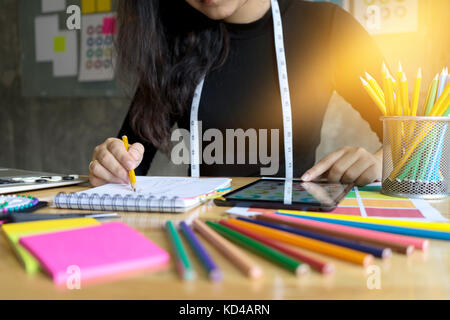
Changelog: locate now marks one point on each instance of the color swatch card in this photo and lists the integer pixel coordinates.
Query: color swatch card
(368, 201)
(97, 252)
(97, 59)
(13, 232)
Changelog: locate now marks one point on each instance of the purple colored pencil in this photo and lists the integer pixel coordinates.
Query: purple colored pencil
(213, 270)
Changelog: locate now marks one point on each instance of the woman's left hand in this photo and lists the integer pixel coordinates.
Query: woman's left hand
(348, 165)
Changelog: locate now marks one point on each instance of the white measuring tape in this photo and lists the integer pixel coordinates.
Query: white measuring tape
(194, 132)
(285, 103)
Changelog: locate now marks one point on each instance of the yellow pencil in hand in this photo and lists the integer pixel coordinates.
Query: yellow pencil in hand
(130, 172)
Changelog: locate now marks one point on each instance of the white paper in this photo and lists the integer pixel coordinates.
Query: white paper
(182, 187)
(45, 28)
(65, 64)
(383, 17)
(53, 5)
(95, 68)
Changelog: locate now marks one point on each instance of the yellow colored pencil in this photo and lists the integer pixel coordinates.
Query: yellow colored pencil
(398, 92)
(389, 94)
(308, 243)
(404, 95)
(375, 86)
(439, 107)
(439, 226)
(130, 172)
(375, 97)
(416, 93)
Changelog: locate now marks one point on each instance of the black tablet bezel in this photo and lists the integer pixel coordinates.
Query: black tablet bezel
(273, 204)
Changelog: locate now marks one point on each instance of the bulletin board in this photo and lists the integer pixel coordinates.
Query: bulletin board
(57, 62)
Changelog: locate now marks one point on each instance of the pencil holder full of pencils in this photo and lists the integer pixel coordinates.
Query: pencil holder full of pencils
(416, 157)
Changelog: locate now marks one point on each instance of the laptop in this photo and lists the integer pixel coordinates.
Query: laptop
(16, 180)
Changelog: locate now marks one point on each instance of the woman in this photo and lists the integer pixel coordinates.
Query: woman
(168, 46)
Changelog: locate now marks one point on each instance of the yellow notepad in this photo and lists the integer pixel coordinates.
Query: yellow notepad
(13, 232)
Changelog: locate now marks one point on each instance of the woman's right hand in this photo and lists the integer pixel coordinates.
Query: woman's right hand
(111, 162)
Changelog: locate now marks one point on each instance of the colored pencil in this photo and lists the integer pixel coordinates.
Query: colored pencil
(322, 267)
(416, 93)
(229, 250)
(257, 247)
(184, 265)
(309, 244)
(373, 237)
(375, 86)
(431, 99)
(439, 226)
(418, 243)
(440, 106)
(404, 95)
(214, 272)
(422, 233)
(442, 82)
(370, 249)
(375, 97)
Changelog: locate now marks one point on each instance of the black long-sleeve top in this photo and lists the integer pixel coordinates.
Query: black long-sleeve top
(326, 50)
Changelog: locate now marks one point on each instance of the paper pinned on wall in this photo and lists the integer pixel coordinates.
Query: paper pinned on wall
(45, 28)
(65, 61)
(59, 44)
(88, 6)
(96, 54)
(103, 5)
(53, 5)
(381, 17)
(109, 25)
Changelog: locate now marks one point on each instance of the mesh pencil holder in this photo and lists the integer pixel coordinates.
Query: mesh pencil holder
(416, 157)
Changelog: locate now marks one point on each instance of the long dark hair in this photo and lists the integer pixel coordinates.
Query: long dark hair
(165, 47)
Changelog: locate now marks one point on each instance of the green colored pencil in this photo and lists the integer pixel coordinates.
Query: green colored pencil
(184, 266)
(274, 255)
(430, 102)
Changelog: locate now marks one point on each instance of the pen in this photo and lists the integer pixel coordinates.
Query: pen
(26, 217)
(130, 172)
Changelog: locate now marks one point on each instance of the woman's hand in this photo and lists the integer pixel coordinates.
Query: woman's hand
(111, 162)
(348, 165)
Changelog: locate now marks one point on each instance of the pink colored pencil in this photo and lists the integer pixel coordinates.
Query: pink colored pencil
(419, 243)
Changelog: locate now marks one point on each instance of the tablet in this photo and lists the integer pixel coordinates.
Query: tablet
(270, 193)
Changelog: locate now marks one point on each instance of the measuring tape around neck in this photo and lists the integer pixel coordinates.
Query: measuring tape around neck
(285, 103)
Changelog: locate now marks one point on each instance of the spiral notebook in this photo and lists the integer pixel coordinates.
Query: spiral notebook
(161, 194)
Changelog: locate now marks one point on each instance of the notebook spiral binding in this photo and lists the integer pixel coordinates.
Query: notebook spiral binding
(117, 202)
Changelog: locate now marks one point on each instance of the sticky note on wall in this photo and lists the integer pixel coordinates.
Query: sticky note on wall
(88, 6)
(109, 25)
(59, 44)
(103, 5)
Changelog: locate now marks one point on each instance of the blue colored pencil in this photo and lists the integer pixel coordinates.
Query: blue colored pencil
(213, 270)
(373, 250)
(415, 232)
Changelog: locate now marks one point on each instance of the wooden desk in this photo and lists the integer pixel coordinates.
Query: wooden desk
(420, 276)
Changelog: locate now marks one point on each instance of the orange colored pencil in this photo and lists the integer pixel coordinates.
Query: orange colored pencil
(309, 244)
(236, 255)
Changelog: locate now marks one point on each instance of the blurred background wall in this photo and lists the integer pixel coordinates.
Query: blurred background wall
(59, 134)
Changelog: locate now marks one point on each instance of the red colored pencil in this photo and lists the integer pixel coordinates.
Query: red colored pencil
(322, 267)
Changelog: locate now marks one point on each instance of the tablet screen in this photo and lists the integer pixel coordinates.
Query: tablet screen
(314, 193)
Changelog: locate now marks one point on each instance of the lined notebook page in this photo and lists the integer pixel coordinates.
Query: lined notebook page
(181, 187)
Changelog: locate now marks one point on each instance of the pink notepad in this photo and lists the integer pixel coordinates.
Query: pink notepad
(98, 251)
